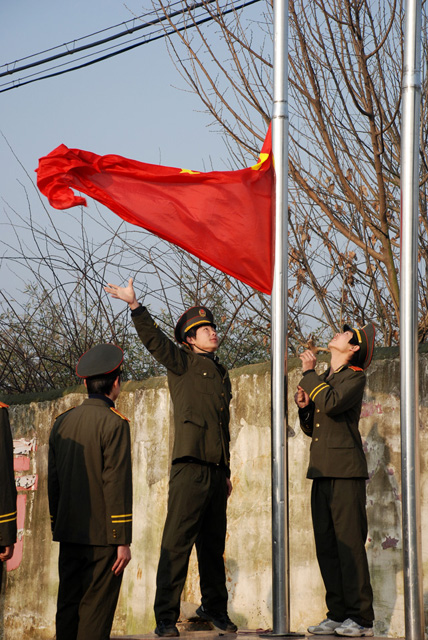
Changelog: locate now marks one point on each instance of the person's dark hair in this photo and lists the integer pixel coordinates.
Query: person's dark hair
(191, 333)
(102, 384)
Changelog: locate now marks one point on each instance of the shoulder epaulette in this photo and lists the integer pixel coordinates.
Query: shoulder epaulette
(64, 412)
(119, 414)
(3, 405)
(355, 368)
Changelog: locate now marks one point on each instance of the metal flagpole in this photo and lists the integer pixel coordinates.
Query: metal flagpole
(279, 316)
(412, 567)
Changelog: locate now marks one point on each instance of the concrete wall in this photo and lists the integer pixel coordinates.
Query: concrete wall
(27, 606)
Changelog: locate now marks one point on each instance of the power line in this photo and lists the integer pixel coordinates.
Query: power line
(71, 43)
(72, 49)
(153, 36)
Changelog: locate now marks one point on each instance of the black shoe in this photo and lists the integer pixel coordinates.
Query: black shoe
(220, 620)
(166, 629)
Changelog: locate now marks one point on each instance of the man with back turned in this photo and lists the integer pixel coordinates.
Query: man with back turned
(7, 491)
(90, 500)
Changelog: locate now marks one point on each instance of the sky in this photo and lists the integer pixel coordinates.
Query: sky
(126, 105)
(135, 104)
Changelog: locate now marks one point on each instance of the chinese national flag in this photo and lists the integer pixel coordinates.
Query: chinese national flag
(222, 217)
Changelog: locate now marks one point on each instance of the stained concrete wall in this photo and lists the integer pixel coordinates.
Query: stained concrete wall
(27, 606)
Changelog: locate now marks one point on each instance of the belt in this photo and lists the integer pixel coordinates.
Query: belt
(197, 461)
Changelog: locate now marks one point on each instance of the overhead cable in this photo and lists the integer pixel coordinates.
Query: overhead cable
(72, 49)
(153, 36)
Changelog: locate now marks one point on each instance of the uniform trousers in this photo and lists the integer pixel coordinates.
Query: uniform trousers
(340, 527)
(88, 592)
(196, 514)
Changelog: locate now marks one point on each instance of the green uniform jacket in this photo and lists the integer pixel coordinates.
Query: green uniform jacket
(90, 476)
(200, 390)
(332, 420)
(7, 482)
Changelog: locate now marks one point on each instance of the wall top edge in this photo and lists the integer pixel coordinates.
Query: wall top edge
(261, 368)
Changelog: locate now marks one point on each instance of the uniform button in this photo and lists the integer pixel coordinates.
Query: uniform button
(316, 439)
(317, 424)
(205, 373)
(318, 410)
(221, 408)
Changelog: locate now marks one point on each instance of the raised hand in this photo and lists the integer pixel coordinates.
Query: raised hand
(308, 359)
(127, 294)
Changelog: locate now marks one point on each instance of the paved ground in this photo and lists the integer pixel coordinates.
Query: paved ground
(244, 634)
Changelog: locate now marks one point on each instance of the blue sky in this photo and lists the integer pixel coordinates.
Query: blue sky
(127, 105)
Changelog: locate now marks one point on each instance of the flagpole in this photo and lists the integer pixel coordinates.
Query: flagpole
(279, 317)
(410, 479)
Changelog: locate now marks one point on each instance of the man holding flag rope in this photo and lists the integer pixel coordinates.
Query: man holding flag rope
(329, 412)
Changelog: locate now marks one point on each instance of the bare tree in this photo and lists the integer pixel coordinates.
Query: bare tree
(346, 78)
(345, 71)
(55, 309)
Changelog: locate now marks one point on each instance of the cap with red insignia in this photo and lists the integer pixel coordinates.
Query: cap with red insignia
(365, 338)
(194, 317)
(99, 360)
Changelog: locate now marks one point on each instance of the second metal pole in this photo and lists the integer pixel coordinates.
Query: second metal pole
(410, 482)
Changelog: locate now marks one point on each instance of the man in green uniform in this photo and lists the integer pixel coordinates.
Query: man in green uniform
(7, 491)
(329, 411)
(90, 500)
(200, 476)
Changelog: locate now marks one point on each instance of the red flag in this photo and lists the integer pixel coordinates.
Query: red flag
(222, 217)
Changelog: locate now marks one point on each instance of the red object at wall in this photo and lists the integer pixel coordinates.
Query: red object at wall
(221, 217)
(24, 452)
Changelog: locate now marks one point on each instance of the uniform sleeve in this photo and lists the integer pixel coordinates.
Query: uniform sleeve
(306, 417)
(53, 481)
(7, 483)
(157, 343)
(117, 483)
(333, 400)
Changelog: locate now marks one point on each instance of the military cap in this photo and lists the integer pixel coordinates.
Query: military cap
(99, 360)
(364, 337)
(193, 317)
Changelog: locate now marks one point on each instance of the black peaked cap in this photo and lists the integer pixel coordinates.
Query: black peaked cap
(99, 360)
(193, 317)
(365, 338)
